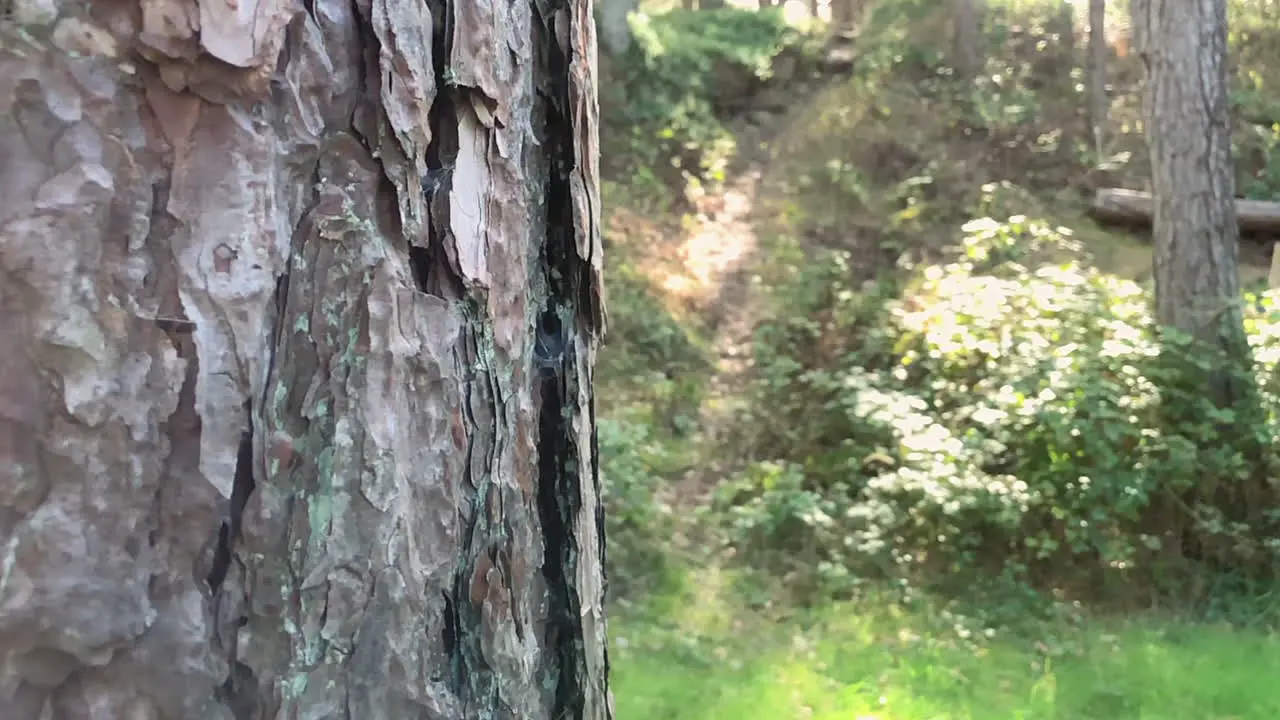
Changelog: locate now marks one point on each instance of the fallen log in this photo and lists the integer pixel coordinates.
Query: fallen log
(1133, 206)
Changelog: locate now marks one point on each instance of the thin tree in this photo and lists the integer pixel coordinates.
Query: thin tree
(1099, 103)
(845, 15)
(966, 37)
(300, 304)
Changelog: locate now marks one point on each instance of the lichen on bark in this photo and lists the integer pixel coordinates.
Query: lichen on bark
(286, 431)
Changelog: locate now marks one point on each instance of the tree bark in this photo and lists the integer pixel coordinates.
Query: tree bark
(1099, 104)
(1194, 226)
(300, 307)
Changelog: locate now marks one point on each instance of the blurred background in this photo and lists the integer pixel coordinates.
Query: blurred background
(887, 425)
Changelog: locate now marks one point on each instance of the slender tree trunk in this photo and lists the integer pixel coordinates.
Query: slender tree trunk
(614, 25)
(1099, 104)
(300, 305)
(844, 15)
(1188, 132)
(966, 38)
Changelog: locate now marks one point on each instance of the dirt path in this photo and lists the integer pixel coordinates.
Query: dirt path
(719, 257)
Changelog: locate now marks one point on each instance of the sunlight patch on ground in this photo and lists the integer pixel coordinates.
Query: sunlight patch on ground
(689, 264)
(719, 242)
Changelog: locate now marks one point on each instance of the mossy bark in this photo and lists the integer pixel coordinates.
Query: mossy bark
(300, 313)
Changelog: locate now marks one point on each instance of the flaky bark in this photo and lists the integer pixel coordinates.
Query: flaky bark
(1184, 47)
(300, 308)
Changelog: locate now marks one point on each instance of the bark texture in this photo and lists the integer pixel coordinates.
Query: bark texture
(299, 311)
(1184, 47)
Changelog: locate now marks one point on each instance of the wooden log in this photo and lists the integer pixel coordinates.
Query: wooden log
(1133, 206)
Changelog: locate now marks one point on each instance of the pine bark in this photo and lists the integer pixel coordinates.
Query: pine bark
(299, 312)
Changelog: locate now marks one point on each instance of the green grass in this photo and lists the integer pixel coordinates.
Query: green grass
(696, 660)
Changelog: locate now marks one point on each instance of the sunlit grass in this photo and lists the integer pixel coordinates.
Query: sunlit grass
(874, 660)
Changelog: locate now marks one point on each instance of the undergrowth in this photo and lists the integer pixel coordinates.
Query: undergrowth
(1013, 414)
(1001, 421)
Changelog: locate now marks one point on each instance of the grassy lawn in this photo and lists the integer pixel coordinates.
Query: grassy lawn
(878, 662)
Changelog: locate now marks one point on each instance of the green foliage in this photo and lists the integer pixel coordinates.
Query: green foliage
(650, 379)
(672, 87)
(1003, 414)
(1259, 148)
(638, 524)
(651, 351)
(877, 659)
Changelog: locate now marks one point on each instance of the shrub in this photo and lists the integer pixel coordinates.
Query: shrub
(638, 525)
(1013, 412)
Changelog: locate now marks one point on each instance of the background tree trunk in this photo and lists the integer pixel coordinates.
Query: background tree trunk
(299, 315)
(844, 15)
(1099, 104)
(966, 38)
(1193, 186)
(613, 24)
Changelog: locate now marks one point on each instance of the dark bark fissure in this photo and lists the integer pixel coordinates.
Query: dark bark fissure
(559, 493)
(429, 261)
(557, 508)
(229, 531)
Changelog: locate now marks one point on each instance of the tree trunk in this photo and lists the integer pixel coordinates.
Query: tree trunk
(614, 25)
(966, 38)
(1099, 104)
(300, 305)
(844, 15)
(1194, 225)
